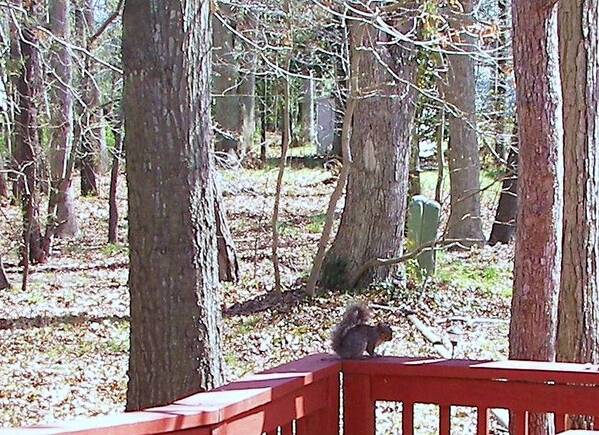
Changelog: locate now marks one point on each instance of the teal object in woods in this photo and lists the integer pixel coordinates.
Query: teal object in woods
(423, 223)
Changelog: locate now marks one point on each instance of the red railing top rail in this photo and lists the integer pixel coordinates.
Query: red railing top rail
(202, 409)
(512, 370)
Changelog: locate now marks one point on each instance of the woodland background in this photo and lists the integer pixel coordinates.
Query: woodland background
(310, 130)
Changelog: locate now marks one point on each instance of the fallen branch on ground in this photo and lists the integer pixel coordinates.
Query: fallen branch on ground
(379, 262)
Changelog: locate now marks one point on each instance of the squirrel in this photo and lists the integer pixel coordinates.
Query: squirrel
(352, 336)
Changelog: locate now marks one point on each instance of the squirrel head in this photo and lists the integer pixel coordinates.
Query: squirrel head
(385, 332)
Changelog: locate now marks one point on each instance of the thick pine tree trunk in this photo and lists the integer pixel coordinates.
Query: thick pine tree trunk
(578, 327)
(538, 253)
(27, 144)
(463, 160)
(173, 278)
(62, 219)
(373, 218)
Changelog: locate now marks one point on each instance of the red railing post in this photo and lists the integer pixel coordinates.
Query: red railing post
(358, 406)
(326, 420)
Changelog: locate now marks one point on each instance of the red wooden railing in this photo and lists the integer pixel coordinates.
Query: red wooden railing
(303, 398)
(519, 386)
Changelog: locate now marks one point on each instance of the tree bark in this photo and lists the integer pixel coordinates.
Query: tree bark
(4, 282)
(504, 226)
(263, 122)
(247, 103)
(578, 326)
(414, 171)
(228, 266)
(62, 219)
(13, 79)
(372, 223)
(286, 136)
(93, 140)
(113, 209)
(227, 115)
(439, 153)
(27, 145)
(173, 278)
(463, 160)
(308, 117)
(500, 117)
(538, 251)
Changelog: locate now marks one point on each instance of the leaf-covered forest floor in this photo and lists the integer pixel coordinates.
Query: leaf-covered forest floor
(64, 342)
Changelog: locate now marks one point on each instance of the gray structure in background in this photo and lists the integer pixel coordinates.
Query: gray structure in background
(325, 125)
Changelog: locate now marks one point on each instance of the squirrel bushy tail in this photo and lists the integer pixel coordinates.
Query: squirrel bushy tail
(356, 314)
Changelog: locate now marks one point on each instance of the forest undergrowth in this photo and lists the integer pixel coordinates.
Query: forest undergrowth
(64, 342)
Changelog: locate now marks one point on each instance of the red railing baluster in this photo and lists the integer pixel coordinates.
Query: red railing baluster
(561, 422)
(332, 417)
(482, 421)
(358, 407)
(520, 422)
(287, 429)
(444, 420)
(407, 418)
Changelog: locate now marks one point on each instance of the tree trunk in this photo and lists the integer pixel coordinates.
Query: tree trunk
(538, 253)
(263, 123)
(113, 209)
(504, 226)
(62, 219)
(27, 144)
(3, 185)
(93, 140)
(500, 117)
(285, 138)
(227, 113)
(247, 103)
(173, 277)
(13, 79)
(308, 119)
(464, 162)
(372, 223)
(578, 326)
(4, 282)
(228, 266)
(414, 171)
(440, 159)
